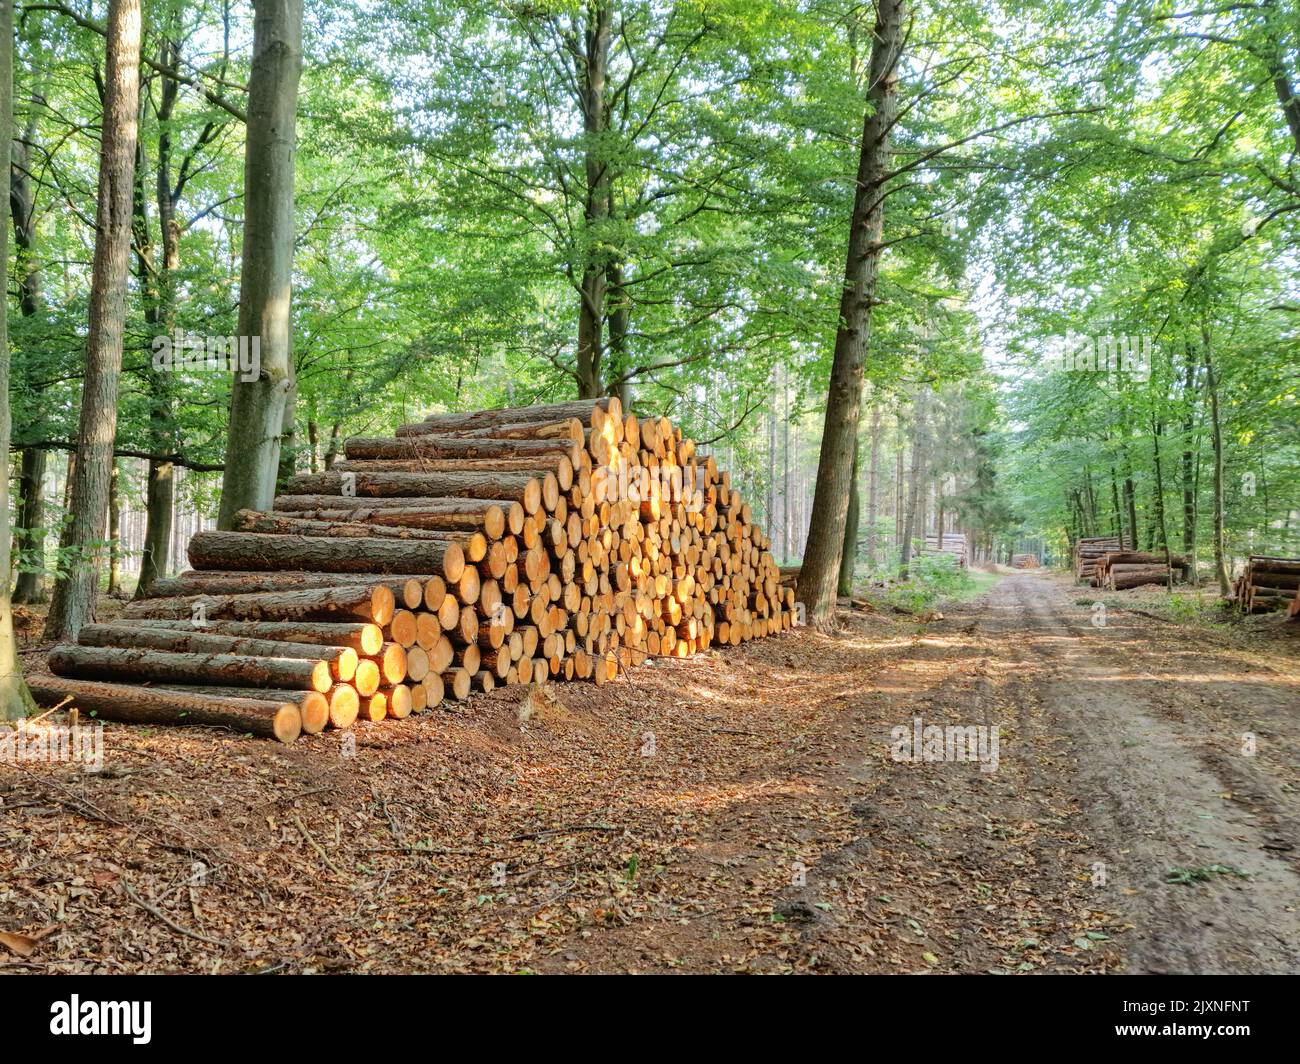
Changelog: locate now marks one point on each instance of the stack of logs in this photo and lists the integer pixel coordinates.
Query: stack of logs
(564, 541)
(1087, 551)
(952, 544)
(1024, 561)
(1118, 570)
(1268, 584)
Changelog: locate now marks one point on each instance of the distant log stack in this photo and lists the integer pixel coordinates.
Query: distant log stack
(1088, 551)
(953, 545)
(1117, 570)
(568, 541)
(1025, 561)
(1268, 584)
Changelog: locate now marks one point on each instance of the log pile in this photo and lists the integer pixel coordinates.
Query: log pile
(1025, 561)
(953, 544)
(1088, 550)
(566, 541)
(1117, 570)
(1268, 584)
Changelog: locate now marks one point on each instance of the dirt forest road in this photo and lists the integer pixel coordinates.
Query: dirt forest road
(742, 811)
(1121, 767)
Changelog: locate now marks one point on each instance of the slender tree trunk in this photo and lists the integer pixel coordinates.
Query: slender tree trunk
(898, 489)
(914, 484)
(74, 593)
(313, 444)
(1216, 442)
(1189, 467)
(786, 528)
(619, 313)
(160, 283)
(30, 586)
(115, 530)
(849, 554)
(1160, 502)
(257, 407)
(15, 699)
(873, 488)
(817, 578)
(1117, 527)
(592, 64)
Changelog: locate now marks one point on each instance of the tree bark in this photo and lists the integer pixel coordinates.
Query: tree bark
(849, 555)
(253, 551)
(364, 638)
(914, 478)
(817, 578)
(873, 488)
(257, 407)
(115, 530)
(142, 705)
(15, 698)
(591, 60)
(73, 601)
(30, 587)
(1189, 465)
(357, 603)
(1216, 442)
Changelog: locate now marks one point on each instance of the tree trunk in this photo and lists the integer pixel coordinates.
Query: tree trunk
(358, 603)
(914, 483)
(15, 699)
(873, 488)
(30, 587)
(142, 705)
(74, 593)
(849, 554)
(619, 312)
(257, 408)
(592, 60)
(255, 551)
(1216, 442)
(817, 578)
(1189, 465)
(160, 282)
(115, 530)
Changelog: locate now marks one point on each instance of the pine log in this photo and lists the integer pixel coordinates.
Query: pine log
(238, 670)
(443, 447)
(364, 638)
(433, 515)
(146, 705)
(250, 551)
(516, 487)
(374, 604)
(559, 429)
(342, 660)
(515, 415)
(353, 525)
(313, 705)
(211, 582)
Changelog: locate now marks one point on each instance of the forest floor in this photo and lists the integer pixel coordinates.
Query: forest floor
(737, 812)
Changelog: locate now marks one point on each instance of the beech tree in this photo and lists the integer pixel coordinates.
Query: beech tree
(257, 408)
(73, 601)
(821, 564)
